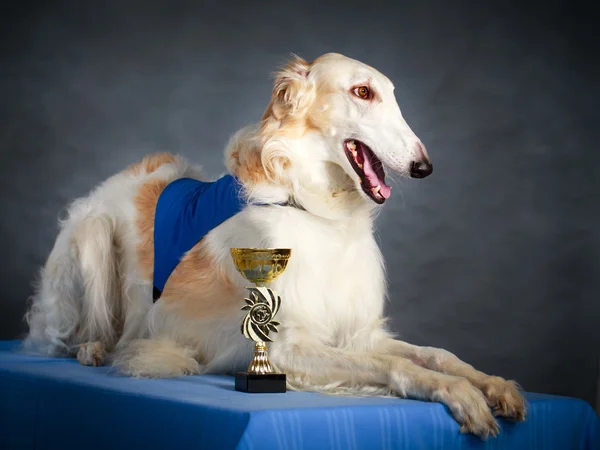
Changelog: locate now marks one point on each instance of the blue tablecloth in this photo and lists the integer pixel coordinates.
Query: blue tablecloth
(48, 403)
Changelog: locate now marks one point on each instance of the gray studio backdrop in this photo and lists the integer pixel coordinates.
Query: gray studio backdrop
(494, 257)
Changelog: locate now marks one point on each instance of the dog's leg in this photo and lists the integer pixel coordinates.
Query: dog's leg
(156, 358)
(136, 306)
(312, 366)
(91, 354)
(94, 238)
(502, 395)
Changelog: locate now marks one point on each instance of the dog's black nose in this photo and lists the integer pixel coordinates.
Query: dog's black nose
(420, 169)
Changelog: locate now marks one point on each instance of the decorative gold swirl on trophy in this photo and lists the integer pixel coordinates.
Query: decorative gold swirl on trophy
(260, 266)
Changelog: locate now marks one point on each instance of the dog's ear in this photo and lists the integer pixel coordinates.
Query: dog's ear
(292, 91)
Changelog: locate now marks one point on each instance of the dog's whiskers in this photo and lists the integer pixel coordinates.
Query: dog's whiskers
(397, 183)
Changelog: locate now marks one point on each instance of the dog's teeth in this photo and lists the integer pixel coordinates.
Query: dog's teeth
(360, 166)
(354, 153)
(352, 146)
(376, 190)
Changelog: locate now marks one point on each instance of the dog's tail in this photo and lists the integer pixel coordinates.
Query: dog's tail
(77, 296)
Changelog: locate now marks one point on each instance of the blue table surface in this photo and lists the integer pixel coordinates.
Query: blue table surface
(48, 403)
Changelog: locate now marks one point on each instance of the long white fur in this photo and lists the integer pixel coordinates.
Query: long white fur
(333, 337)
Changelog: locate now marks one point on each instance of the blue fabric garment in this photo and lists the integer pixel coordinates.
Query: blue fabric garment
(186, 211)
(53, 403)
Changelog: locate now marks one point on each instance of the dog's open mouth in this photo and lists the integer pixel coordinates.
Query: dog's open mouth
(369, 168)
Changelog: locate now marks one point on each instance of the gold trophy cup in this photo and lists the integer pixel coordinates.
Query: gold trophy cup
(260, 266)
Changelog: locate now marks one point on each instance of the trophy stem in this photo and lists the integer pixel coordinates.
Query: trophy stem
(260, 363)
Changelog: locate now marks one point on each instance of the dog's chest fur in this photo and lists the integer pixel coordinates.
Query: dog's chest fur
(333, 287)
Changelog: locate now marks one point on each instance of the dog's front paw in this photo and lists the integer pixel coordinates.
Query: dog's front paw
(469, 407)
(505, 398)
(91, 354)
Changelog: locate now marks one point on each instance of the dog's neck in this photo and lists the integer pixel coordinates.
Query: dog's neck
(291, 203)
(295, 172)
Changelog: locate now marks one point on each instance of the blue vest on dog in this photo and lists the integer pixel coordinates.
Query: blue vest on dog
(186, 211)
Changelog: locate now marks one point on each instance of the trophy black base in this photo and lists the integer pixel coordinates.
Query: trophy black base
(254, 383)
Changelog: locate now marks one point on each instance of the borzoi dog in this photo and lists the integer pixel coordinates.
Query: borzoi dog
(311, 178)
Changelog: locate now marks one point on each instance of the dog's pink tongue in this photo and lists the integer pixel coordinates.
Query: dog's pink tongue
(375, 179)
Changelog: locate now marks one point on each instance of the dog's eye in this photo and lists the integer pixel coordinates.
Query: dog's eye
(363, 92)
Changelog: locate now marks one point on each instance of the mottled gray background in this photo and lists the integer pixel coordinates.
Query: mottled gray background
(494, 257)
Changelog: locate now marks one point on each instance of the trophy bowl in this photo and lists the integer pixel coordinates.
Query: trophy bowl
(261, 265)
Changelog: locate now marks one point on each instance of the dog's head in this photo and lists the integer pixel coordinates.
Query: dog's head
(331, 129)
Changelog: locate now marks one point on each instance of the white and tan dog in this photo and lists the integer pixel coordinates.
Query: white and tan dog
(328, 132)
